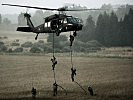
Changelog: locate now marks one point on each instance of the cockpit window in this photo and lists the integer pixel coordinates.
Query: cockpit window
(69, 19)
(73, 20)
(78, 20)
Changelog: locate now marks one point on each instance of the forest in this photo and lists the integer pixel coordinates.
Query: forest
(108, 30)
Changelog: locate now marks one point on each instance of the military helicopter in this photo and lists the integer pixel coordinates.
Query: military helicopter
(56, 23)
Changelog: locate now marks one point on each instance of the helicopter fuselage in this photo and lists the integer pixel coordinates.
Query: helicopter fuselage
(52, 24)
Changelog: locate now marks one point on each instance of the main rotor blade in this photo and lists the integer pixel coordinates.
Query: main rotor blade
(59, 9)
(83, 9)
(30, 7)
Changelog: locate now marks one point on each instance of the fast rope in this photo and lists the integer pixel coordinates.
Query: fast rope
(73, 70)
(71, 56)
(54, 61)
(53, 44)
(33, 90)
(81, 87)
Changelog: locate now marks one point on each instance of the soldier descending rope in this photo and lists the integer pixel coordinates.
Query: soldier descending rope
(73, 73)
(71, 39)
(54, 61)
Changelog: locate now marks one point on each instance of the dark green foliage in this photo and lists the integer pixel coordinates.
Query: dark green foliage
(41, 41)
(10, 50)
(18, 49)
(60, 42)
(89, 46)
(88, 30)
(108, 30)
(35, 49)
(47, 48)
(127, 28)
(27, 44)
(3, 48)
(5, 37)
(15, 44)
(100, 25)
(37, 44)
(1, 43)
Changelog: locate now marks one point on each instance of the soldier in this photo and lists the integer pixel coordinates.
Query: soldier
(55, 87)
(71, 39)
(54, 61)
(73, 73)
(90, 90)
(74, 33)
(33, 91)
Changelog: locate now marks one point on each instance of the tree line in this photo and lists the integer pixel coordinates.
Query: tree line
(108, 30)
(4, 20)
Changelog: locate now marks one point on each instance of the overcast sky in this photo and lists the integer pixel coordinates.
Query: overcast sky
(56, 4)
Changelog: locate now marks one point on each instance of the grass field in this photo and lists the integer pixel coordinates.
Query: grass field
(110, 78)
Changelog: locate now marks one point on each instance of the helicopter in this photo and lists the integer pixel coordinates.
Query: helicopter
(55, 23)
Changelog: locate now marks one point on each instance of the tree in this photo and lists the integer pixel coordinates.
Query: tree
(27, 44)
(127, 29)
(6, 21)
(100, 25)
(35, 49)
(123, 10)
(38, 18)
(107, 29)
(113, 35)
(130, 26)
(18, 49)
(88, 30)
(21, 19)
(59, 41)
(10, 50)
(3, 48)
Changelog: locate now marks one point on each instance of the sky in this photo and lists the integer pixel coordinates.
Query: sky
(56, 4)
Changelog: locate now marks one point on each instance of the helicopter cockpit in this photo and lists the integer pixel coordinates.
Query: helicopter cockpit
(73, 20)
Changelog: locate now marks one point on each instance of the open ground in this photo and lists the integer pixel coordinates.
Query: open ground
(110, 78)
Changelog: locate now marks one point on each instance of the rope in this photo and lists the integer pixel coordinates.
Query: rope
(81, 87)
(53, 44)
(54, 69)
(54, 76)
(71, 56)
(72, 68)
(63, 89)
(53, 57)
(71, 53)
